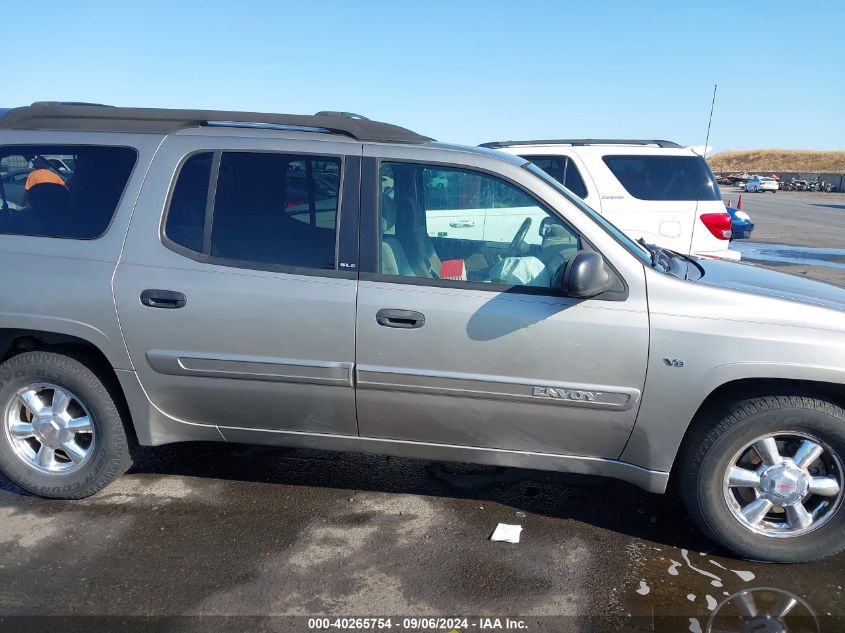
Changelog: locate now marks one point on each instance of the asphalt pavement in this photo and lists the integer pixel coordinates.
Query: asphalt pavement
(223, 533)
(811, 220)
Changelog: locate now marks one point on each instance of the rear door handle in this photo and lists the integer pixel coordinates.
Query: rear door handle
(462, 224)
(404, 319)
(163, 299)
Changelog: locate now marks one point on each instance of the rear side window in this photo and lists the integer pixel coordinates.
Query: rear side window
(264, 209)
(62, 190)
(562, 169)
(186, 217)
(664, 177)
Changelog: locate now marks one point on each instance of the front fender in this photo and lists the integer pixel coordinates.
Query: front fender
(714, 353)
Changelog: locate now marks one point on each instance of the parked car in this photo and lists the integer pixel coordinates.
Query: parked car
(13, 185)
(653, 190)
(741, 224)
(174, 299)
(760, 184)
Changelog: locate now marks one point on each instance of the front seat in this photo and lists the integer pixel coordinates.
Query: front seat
(420, 251)
(394, 260)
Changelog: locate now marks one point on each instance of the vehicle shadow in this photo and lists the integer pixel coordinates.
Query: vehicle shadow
(594, 501)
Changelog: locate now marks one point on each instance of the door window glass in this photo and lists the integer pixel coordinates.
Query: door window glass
(448, 223)
(276, 209)
(268, 209)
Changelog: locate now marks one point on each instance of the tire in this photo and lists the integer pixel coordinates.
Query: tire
(94, 427)
(710, 450)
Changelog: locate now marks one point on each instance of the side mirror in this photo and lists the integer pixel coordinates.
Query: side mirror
(586, 275)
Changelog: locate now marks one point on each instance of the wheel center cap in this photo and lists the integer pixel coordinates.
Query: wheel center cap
(50, 432)
(784, 484)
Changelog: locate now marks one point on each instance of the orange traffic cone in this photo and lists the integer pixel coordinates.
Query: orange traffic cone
(739, 203)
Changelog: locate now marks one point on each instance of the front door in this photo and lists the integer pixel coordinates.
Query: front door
(236, 312)
(462, 338)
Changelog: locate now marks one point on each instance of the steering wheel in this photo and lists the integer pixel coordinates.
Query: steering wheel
(518, 240)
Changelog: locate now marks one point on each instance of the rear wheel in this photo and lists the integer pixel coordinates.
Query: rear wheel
(62, 434)
(766, 481)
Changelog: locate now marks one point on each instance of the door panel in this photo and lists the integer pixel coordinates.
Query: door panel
(255, 345)
(249, 348)
(501, 370)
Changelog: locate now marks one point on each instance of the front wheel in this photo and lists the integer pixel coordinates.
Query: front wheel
(766, 481)
(62, 434)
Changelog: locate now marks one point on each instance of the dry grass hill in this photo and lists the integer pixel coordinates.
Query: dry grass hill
(789, 160)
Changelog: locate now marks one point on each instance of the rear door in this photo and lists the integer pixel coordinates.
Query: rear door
(233, 302)
(496, 358)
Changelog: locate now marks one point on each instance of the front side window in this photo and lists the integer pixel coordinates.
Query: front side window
(449, 223)
(562, 169)
(267, 208)
(62, 191)
(664, 177)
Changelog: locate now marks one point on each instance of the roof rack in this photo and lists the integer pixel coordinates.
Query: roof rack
(582, 141)
(100, 118)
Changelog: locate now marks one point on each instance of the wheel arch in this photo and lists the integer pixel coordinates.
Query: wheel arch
(17, 341)
(719, 400)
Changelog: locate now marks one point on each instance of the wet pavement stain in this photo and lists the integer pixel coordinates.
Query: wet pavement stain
(787, 254)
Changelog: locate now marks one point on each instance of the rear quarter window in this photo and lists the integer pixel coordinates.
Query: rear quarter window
(562, 169)
(664, 177)
(65, 191)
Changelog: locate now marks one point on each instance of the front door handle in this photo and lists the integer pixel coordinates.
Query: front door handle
(405, 319)
(163, 299)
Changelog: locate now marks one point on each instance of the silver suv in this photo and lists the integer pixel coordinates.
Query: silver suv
(310, 281)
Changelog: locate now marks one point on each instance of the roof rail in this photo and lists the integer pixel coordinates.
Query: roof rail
(97, 118)
(267, 126)
(348, 115)
(70, 103)
(582, 141)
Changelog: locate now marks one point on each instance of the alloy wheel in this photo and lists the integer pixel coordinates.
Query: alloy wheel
(784, 484)
(49, 428)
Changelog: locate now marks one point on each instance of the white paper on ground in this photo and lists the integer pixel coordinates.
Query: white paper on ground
(506, 533)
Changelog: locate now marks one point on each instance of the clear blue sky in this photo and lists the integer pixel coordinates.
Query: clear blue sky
(463, 71)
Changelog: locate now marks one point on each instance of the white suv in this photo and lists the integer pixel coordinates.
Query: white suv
(654, 190)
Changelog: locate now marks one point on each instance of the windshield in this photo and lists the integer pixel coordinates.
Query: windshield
(636, 249)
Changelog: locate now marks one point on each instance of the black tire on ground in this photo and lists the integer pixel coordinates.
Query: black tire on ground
(111, 457)
(710, 446)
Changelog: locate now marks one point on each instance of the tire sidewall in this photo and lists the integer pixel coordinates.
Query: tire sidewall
(710, 492)
(110, 439)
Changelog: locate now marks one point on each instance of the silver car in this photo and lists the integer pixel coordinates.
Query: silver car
(313, 281)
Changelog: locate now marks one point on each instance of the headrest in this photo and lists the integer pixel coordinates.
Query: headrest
(557, 237)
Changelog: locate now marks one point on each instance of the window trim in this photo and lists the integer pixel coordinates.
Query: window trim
(371, 239)
(205, 257)
(120, 200)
